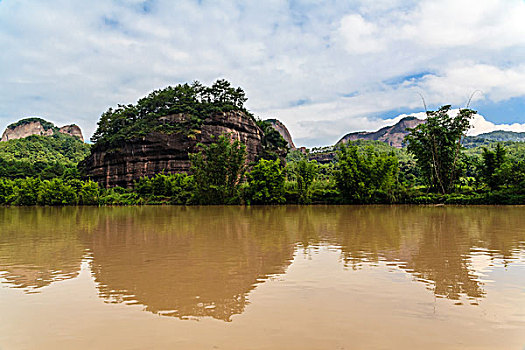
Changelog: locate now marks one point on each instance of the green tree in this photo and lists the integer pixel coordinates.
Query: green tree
(89, 193)
(196, 101)
(7, 190)
(177, 187)
(491, 166)
(27, 191)
(56, 192)
(266, 183)
(304, 172)
(362, 176)
(436, 145)
(218, 171)
(516, 176)
(274, 145)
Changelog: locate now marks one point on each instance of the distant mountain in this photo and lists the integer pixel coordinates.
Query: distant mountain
(392, 135)
(493, 136)
(502, 136)
(36, 147)
(40, 127)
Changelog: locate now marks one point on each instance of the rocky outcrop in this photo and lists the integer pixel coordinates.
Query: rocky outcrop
(25, 128)
(393, 135)
(37, 126)
(322, 158)
(158, 152)
(72, 130)
(281, 129)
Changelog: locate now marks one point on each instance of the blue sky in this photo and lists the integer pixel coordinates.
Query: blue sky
(324, 68)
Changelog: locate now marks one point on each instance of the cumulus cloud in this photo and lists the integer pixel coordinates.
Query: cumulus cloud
(359, 35)
(480, 125)
(324, 68)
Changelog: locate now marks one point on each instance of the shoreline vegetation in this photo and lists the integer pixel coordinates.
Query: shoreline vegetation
(434, 168)
(360, 174)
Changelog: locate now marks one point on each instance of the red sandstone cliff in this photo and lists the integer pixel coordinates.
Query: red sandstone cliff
(158, 152)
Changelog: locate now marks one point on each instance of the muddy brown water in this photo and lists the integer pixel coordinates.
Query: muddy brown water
(288, 277)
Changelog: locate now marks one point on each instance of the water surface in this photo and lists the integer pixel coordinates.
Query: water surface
(290, 277)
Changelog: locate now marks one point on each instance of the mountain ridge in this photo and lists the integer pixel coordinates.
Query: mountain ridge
(392, 135)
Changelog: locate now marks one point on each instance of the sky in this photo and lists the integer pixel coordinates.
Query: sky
(324, 68)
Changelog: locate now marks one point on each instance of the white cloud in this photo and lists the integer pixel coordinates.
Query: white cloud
(70, 61)
(480, 125)
(474, 23)
(496, 83)
(359, 36)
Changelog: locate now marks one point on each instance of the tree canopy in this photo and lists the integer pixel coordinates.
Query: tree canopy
(436, 145)
(218, 171)
(362, 176)
(41, 156)
(196, 101)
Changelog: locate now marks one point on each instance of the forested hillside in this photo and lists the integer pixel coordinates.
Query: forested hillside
(46, 156)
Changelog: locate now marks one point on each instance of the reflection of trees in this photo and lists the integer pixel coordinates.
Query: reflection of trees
(432, 243)
(203, 261)
(39, 246)
(182, 262)
(442, 253)
(366, 233)
(498, 229)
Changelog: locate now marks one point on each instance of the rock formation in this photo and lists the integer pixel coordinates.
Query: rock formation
(281, 129)
(37, 126)
(72, 130)
(322, 158)
(157, 152)
(393, 135)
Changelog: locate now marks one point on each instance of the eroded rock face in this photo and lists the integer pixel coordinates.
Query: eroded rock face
(159, 152)
(281, 129)
(72, 130)
(36, 126)
(393, 135)
(25, 130)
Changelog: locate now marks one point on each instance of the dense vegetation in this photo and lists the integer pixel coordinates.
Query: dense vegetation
(45, 157)
(499, 136)
(434, 168)
(274, 145)
(436, 146)
(195, 101)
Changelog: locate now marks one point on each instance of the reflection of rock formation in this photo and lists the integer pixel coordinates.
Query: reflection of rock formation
(38, 246)
(188, 262)
(203, 261)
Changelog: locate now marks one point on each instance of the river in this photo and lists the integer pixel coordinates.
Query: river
(284, 277)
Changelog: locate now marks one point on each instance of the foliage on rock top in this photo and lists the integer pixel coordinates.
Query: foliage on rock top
(196, 101)
(45, 124)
